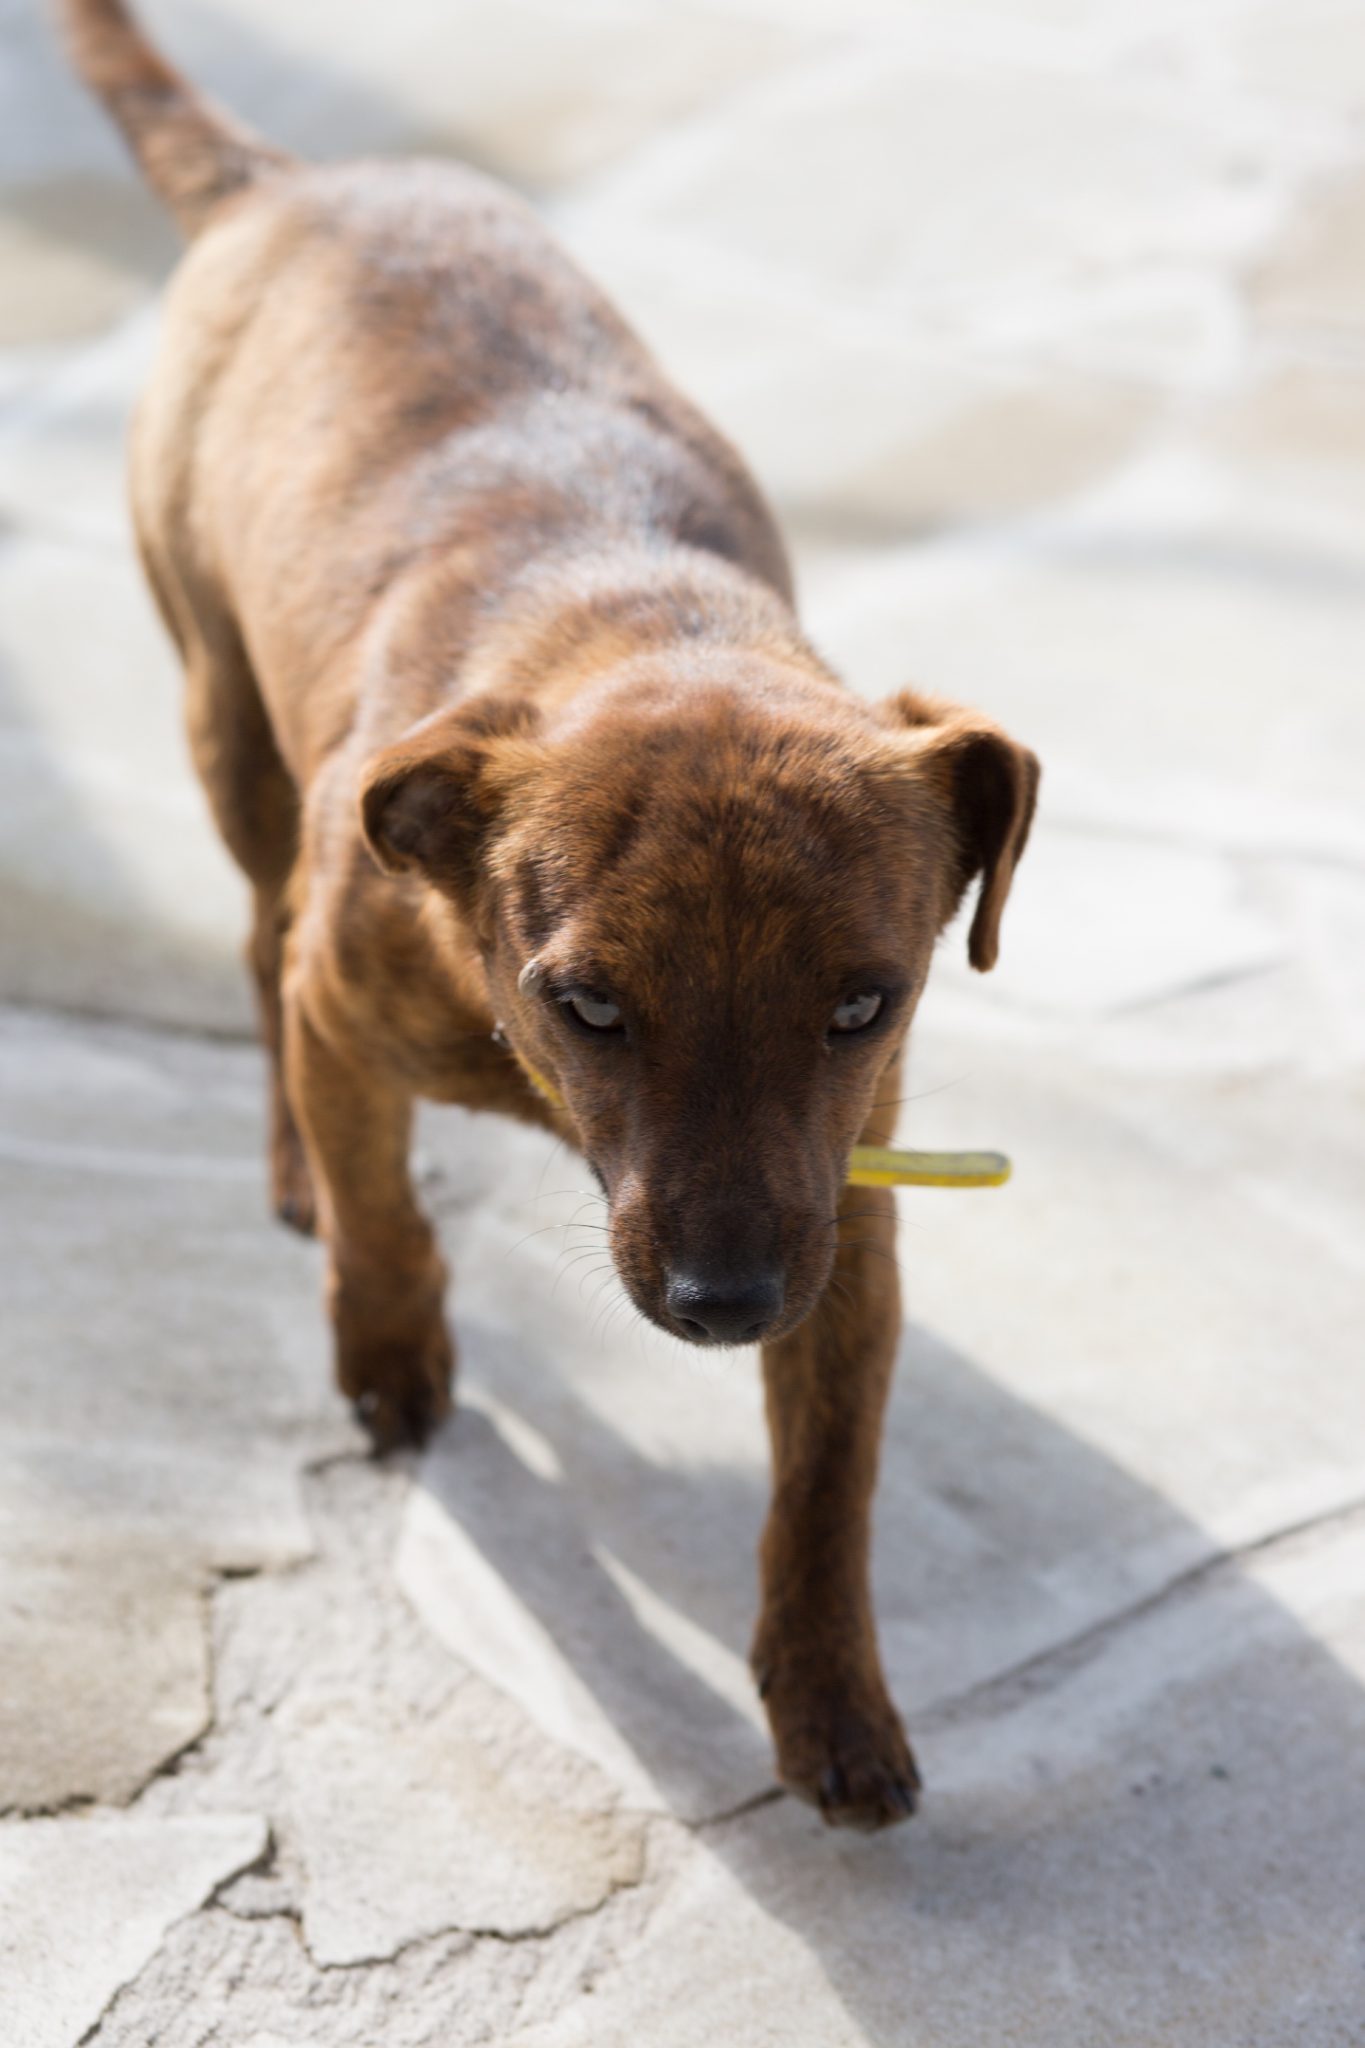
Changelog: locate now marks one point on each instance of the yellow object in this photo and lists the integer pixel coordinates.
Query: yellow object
(887, 1166)
(869, 1166)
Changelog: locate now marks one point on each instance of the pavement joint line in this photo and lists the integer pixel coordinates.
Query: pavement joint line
(419, 1942)
(1198, 985)
(424, 1943)
(771, 1795)
(129, 1163)
(1048, 1668)
(1195, 842)
(262, 1866)
(92, 2031)
(76, 1805)
(123, 1020)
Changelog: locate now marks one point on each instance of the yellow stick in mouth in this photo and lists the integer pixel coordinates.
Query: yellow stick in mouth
(869, 1166)
(886, 1166)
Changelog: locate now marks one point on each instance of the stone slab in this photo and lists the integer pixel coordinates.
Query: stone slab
(515, 84)
(1306, 282)
(85, 1903)
(105, 1664)
(409, 1828)
(118, 893)
(164, 1377)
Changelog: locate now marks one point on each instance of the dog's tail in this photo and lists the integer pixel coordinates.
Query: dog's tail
(193, 155)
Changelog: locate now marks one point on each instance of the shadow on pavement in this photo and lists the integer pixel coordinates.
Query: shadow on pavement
(1144, 1814)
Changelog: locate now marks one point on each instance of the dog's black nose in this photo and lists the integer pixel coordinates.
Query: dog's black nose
(733, 1309)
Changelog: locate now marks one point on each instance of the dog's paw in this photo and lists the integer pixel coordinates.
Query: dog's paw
(870, 1781)
(401, 1392)
(291, 1186)
(845, 1753)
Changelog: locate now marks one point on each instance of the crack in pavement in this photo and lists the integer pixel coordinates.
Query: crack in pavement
(75, 1013)
(436, 1938)
(771, 1795)
(1052, 1666)
(166, 1766)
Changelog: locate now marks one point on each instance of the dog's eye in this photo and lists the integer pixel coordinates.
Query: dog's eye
(855, 1013)
(597, 1012)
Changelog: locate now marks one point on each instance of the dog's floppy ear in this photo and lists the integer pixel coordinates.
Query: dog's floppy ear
(429, 802)
(991, 784)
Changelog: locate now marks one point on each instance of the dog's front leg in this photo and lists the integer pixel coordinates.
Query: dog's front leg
(839, 1739)
(386, 1279)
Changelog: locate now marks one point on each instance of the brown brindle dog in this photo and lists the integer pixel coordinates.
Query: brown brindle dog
(499, 698)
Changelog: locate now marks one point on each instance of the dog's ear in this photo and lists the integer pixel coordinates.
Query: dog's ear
(991, 786)
(429, 802)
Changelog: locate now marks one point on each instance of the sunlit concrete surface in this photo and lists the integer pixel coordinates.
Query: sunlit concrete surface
(1044, 323)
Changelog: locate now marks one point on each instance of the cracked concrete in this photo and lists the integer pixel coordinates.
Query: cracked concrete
(1043, 322)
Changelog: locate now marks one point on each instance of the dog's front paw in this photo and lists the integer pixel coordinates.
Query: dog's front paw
(394, 1357)
(401, 1390)
(842, 1748)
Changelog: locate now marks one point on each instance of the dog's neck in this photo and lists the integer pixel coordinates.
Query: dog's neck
(566, 623)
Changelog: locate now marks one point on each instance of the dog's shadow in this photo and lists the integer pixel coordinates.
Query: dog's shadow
(1110, 1774)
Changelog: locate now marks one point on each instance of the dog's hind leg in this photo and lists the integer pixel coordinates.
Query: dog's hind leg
(291, 1183)
(255, 806)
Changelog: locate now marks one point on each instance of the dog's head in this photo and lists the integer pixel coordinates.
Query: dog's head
(707, 904)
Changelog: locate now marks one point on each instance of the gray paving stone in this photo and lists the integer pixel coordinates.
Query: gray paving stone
(518, 84)
(1088, 173)
(1304, 420)
(860, 420)
(1307, 280)
(84, 1904)
(105, 1663)
(380, 1759)
(1182, 656)
(119, 896)
(77, 254)
(407, 1827)
(161, 1388)
(62, 439)
(1310, 52)
(538, 95)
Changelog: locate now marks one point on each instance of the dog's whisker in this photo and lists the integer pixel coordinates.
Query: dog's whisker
(592, 1273)
(568, 1259)
(574, 1255)
(881, 1252)
(897, 1222)
(605, 1278)
(924, 1094)
(551, 1161)
(608, 1313)
(572, 1224)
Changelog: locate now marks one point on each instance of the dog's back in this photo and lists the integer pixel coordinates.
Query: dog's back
(363, 366)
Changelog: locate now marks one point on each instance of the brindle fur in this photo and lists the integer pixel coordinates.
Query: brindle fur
(491, 659)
